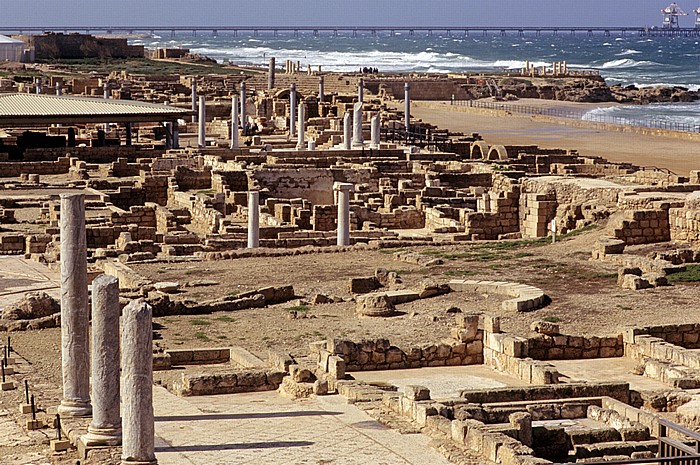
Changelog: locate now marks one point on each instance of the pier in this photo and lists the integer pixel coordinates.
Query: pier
(354, 31)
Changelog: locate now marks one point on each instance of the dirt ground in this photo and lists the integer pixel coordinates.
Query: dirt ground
(585, 298)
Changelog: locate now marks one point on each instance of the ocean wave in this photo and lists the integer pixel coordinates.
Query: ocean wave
(671, 113)
(627, 63)
(352, 60)
(627, 52)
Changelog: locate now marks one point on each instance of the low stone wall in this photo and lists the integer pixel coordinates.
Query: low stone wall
(563, 347)
(616, 390)
(12, 244)
(14, 169)
(199, 356)
(509, 354)
(232, 382)
(525, 298)
(642, 226)
(464, 349)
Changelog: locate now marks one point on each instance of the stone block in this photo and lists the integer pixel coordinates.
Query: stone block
(59, 445)
(416, 392)
(492, 324)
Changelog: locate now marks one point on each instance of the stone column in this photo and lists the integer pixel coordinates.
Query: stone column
(105, 90)
(59, 89)
(301, 132)
(138, 429)
(343, 192)
(75, 350)
(357, 139)
(311, 145)
(106, 426)
(361, 91)
(194, 100)
(321, 90)
(234, 123)
(347, 132)
(202, 140)
(253, 219)
(407, 107)
(38, 86)
(168, 135)
(244, 117)
(374, 143)
(271, 74)
(292, 109)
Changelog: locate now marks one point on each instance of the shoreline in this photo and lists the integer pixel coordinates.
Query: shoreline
(651, 149)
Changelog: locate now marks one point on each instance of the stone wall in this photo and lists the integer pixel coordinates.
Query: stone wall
(536, 213)
(324, 217)
(15, 169)
(563, 347)
(642, 226)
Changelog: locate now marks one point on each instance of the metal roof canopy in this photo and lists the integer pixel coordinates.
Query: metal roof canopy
(18, 110)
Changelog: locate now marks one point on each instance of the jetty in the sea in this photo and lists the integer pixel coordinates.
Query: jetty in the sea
(354, 31)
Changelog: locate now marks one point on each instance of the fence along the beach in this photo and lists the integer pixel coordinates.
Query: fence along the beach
(580, 115)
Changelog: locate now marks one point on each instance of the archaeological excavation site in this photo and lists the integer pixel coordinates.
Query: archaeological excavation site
(291, 266)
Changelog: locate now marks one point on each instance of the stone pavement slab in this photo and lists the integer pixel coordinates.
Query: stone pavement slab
(19, 276)
(618, 369)
(443, 382)
(265, 428)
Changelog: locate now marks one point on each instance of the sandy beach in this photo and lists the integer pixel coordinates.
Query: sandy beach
(675, 154)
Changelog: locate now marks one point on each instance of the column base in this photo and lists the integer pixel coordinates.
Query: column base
(138, 462)
(74, 408)
(102, 437)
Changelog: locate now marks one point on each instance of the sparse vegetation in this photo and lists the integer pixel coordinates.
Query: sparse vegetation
(690, 275)
(198, 322)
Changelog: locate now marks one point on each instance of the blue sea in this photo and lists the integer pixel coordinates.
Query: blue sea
(627, 60)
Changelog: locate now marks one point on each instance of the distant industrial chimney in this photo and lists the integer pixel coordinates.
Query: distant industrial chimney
(671, 14)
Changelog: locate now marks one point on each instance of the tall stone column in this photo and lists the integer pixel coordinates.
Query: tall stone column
(357, 138)
(105, 90)
(302, 129)
(292, 109)
(59, 89)
(253, 219)
(321, 89)
(244, 117)
(38, 88)
(374, 143)
(202, 140)
(138, 429)
(271, 74)
(106, 425)
(347, 132)
(407, 107)
(234, 123)
(361, 91)
(194, 100)
(75, 349)
(343, 193)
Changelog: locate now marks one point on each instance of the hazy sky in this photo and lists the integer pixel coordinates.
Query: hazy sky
(336, 12)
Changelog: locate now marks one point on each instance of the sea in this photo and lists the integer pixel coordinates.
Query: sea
(626, 60)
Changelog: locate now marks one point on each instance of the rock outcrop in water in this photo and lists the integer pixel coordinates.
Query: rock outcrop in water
(645, 95)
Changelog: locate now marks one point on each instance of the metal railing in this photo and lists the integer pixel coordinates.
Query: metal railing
(578, 115)
(420, 137)
(671, 450)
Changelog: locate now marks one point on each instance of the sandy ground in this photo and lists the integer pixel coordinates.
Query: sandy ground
(584, 296)
(677, 155)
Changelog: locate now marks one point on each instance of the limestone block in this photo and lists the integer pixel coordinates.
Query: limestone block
(416, 392)
(492, 324)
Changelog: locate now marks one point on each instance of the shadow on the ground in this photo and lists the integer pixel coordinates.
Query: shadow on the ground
(245, 416)
(248, 445)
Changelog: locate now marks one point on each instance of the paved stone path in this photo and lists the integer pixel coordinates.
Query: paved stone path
(443, 382)
(19, 276)
(265, 428)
